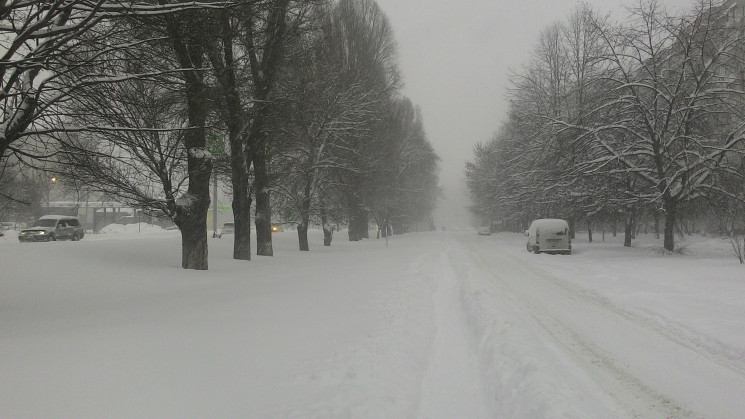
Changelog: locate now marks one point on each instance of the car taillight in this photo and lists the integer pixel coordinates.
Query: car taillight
(537, 236)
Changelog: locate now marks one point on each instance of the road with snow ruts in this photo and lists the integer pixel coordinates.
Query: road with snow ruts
(548, 346)
(424, 325)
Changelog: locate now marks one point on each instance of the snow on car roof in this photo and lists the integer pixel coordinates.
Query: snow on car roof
(54, 217)
(552, 223)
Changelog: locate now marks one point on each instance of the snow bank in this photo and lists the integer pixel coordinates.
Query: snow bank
(9, 236)
(131, 228)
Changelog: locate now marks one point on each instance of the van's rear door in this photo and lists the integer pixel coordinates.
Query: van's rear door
(555, 237)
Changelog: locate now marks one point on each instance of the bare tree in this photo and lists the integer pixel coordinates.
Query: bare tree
(132, 149)
(142, 140)
(53, 50)
(676, 79)
(44, 59)
(729, 211)
(36, 38)
(403, 190)
(636, 118)
(363, 47)
(322, 106)
(264, 41)
(227, 68)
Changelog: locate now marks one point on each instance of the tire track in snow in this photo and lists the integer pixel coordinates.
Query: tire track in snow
(679, 376)
(639, 399)
(452, 386)
(676, 333)
(528, 374)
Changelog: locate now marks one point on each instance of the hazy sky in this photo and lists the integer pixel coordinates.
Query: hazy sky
(455, 57)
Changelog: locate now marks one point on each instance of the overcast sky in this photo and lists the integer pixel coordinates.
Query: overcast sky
(455, 57)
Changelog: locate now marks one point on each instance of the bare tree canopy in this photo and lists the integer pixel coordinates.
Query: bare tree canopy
(643, 116)
(128, 100)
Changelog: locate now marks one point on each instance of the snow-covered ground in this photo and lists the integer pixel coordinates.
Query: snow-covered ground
(433, 325)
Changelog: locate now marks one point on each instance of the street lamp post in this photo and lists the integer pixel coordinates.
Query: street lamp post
(51, 184)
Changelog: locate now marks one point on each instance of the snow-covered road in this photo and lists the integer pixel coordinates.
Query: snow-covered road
(453, 386)
(433, 325)
(631, 362)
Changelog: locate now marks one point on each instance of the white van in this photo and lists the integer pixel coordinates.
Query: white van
(550, 235)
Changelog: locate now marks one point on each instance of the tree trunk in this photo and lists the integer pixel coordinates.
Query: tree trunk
(224, 67)
(627, 235)
(302, 235)
(194, 245)
(263, 205)
(571, 229)
(589, 230)
(671, 212)
(241, 217)
(327, 231)
(385, 227)
(357, 219)
(364, 223)
(191, 209)
(265, 60)
(302, 228)
(354, 232)
(192, 215)
(657, 225)
(328, 235)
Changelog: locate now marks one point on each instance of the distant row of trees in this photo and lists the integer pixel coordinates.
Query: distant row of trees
(295, 104)
(645, 117)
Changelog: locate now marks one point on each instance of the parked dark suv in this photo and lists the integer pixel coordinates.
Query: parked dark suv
(53, 227)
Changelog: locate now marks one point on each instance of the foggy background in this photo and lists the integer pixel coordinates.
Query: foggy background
(455, 58)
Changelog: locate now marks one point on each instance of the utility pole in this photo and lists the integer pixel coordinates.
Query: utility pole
(214, 204)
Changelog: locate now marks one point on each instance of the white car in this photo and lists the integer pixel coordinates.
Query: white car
(550, 235)
(484, 231)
